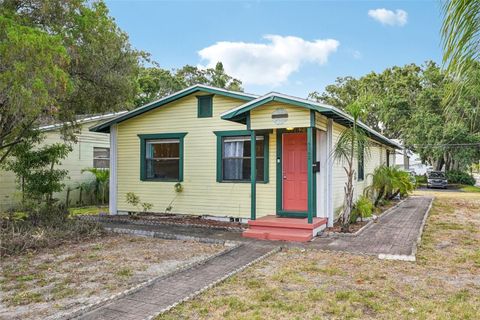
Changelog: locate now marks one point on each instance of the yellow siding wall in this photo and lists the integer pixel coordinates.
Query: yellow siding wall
(321, 121)
(376, 158)
(81, 157)
(202, 194)
(261, 117)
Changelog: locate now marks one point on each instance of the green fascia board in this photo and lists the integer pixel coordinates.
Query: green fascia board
(105, 127)
(144, 137)
(330, 112)
(237, 114)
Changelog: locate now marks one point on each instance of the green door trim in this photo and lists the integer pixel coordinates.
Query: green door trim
(312, 183)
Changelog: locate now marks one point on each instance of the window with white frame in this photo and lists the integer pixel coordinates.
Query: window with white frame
(101, 158)
(236, 158)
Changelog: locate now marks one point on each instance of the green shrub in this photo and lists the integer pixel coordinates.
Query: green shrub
(388, 183)
(363, 208)
(461, 177)
(421, 179)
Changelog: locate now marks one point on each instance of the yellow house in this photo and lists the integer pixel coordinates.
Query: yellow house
(90, 150)
(210, 140)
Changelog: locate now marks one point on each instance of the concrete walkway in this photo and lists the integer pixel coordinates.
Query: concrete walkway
(166, 292)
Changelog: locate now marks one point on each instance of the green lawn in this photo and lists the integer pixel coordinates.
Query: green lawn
(296, 284)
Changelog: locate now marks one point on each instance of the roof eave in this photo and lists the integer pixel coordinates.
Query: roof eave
(105, 127)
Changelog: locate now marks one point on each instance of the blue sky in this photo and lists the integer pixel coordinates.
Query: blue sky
(294, 47)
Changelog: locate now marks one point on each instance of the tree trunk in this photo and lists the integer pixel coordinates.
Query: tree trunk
(439, 164)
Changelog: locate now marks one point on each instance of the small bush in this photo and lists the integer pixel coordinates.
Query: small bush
(363, 208)
(42, 230)
(461, 177)
(421, 179)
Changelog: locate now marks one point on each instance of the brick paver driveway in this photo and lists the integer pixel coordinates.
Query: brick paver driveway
(162, 294)
(394, 234)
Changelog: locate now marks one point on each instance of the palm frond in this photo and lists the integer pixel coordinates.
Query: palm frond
(461, 34)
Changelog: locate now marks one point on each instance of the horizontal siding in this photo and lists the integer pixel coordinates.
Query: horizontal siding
(261, 117)
(81, 157)
(202, 194)
(321, 121)
(376, 158)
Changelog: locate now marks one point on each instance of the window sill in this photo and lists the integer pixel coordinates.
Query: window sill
(240, 181)
(160, 180)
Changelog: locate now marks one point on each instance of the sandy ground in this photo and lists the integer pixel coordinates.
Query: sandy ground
(58, 280)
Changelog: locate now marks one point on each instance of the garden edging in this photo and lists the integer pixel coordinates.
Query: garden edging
(366, 226)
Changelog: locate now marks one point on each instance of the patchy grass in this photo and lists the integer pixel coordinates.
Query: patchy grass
(91, 210)
(465, 188)
(443, 284)
(38, 284)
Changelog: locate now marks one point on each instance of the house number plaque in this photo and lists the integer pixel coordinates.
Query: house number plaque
(279, 116)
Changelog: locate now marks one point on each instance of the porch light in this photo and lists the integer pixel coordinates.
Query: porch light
(289, 129)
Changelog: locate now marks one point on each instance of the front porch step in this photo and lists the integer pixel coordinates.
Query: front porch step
(282, 234)
(295, 223)
(284, 229)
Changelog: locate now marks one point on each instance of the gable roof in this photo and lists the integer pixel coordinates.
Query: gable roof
(82, 120)
(239, 113)
(105, 127)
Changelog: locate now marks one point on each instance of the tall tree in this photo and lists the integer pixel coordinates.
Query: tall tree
(409, 102)
(155, 82)
(33, 80)
(60, 59)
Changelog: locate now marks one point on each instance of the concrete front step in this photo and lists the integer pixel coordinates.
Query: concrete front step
(279, 234)
(285, 229)
(295, 223)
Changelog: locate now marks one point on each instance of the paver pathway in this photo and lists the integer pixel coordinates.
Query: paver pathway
(395, 233)
(151, 300)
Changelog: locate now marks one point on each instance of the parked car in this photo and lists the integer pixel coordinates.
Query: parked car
(437, 179)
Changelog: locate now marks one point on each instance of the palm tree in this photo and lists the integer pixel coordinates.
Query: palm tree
(102, 177)
(461, 34)
(350, 145)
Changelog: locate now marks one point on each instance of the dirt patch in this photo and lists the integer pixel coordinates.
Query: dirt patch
(39, 284)
(354, 227)
(179, 219)
(308, 284)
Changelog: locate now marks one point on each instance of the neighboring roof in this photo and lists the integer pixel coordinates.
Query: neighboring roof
(105, 127)
(240, 112)
(82, 120)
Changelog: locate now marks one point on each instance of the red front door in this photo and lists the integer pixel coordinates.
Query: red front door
(295, 177)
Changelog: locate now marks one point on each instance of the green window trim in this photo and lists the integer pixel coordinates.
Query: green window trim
(221, 134)
(205, 106)
(144, 137)
(361, 162)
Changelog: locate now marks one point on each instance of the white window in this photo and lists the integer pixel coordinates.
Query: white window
(101, 158)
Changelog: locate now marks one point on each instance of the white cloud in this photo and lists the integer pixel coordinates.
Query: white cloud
(388, 17)
(268, 63)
